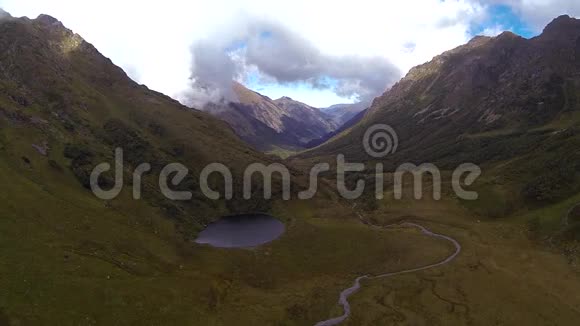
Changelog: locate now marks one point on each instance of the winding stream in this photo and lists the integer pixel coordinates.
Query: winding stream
(343, 300)
(566, 219)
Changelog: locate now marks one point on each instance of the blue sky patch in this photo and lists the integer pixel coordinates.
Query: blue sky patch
(301, 91)
(266, 35)
(504, 17)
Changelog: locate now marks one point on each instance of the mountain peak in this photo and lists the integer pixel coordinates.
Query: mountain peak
(52, 24)
(562, 19)
(479, 39)
(564, 24)
(507, 34)
(4, 14)
(48, 20)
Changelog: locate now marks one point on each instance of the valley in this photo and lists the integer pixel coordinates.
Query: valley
(295, 280)
(510, 257)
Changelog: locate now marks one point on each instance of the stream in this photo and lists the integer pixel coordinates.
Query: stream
(344, 295)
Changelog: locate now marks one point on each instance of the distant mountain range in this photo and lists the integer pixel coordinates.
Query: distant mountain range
(343, 113)
(284, 123)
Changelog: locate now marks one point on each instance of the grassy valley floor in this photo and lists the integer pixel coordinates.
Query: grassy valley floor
(69, 259)
(500, 278)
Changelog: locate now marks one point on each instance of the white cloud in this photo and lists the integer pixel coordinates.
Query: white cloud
(152, 39)
(493, 30)
(540, 12)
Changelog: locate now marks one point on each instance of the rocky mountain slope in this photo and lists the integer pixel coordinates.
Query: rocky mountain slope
(343, 113)
(268, 124)
(64, 108)
(343, 128)
(506, 102)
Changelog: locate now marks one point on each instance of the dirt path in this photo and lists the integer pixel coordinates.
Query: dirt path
(344, 295)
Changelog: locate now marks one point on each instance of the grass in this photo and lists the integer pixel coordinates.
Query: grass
(281, 152)
(498, 276)
(69, 259)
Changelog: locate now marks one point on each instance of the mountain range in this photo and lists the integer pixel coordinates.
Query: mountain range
(343, 113)
(282, 124)
(492, 84)
(508, 104)
(505, 102)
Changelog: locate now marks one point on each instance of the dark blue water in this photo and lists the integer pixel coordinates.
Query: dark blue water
(242, 231)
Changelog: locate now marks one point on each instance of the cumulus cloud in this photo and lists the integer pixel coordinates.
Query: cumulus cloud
(212, 73)
(540, 12)
(153, 40)
(268, 50)
(493, 30)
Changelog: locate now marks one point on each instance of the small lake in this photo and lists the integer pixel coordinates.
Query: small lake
(241, 231)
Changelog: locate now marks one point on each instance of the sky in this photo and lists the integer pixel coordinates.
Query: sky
(318, 52)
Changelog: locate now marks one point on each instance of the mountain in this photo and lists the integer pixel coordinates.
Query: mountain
(269, 124)
(505, 102)
(344, 127)
(64, 108)
(71, 258)
(77, 259)
(343, 113)
(345, 116)
(4, 14)
(312, 119)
